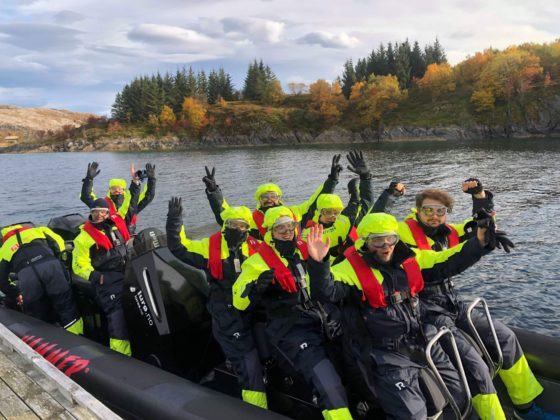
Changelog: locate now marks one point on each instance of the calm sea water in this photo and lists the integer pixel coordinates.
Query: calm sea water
(523, 288)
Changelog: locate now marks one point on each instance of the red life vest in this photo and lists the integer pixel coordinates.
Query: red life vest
(100, 238)
(422, 240)
(113, 210)
(281, 272)
(372, 289)
(13, 232)
(215, 253)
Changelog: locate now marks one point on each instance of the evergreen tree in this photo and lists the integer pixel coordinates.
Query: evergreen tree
(213, 87)
(361, 70)
(202, 86)
(390, 59)
(402, 64)
(417, 62)
(181, 90)
(348, 78)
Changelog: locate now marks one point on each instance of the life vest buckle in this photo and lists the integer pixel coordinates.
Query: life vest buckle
(396, 297)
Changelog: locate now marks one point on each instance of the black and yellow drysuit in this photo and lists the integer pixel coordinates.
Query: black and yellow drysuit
(221, 256)
(31, 253)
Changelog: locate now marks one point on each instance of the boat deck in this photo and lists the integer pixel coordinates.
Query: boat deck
(32, 388)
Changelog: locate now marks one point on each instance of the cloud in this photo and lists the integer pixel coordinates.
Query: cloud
(327, 40)
(67, 17)
(257, 29)
(39, 36)
(19, 95)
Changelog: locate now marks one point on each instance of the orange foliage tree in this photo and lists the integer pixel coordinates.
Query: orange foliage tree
(328, 99)
(438, 80)
(167, 117)
(374, 99)
(507, 78)
(194, 114)
(468, 71)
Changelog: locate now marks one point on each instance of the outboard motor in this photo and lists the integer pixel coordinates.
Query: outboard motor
(164, 302)
(67, 226)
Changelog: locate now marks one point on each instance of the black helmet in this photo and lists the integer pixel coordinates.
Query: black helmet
(100, 204)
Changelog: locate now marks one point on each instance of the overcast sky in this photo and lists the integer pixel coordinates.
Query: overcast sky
(77, 54)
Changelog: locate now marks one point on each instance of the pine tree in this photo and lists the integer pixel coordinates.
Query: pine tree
(417, 62)
(348, 78)
(402, 64)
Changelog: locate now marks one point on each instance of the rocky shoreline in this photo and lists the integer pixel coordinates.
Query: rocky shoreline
(268, 137)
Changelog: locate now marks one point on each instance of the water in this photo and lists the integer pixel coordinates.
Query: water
(523, 288)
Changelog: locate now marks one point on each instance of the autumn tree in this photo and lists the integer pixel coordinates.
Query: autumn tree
(438, 80)
(375, 98)
(272, 93)
(194, 114)
(167, 117)
(468, 71)
(327, 98)
(507, 78)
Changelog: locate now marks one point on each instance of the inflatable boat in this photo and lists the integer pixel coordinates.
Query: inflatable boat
(177, 369)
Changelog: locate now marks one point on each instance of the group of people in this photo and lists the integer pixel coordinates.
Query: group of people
(320, 275)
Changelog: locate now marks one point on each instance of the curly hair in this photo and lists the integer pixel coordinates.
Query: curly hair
(435, 194)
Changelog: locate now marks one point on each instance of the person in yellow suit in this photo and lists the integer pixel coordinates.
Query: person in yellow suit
(221, 256)
(426, 228)
(275, 278)
(42, 290)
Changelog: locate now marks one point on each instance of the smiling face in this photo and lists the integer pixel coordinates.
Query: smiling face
(98, 216)
(382, 247)
(329, 215)
(269, 199)
(432, 212)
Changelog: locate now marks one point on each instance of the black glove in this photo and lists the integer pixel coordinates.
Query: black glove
(175, 208)
(484, 220)
(92, 170)
(502, 241)
(259, 286)
(353, 189)
(474, 190)
(209, 180)
(392, 189)
(150, 171)
(358, 164)
(336, 167)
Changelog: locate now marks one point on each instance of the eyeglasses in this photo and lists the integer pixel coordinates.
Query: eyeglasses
(381, 241)
(288, 227)
(331, 212)
(430, 210)
(237, 224)
(268, 196)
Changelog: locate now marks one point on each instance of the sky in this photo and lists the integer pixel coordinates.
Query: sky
(78, 54)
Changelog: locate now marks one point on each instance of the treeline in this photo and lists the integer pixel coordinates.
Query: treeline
(146, 96)
(493, 87)
(399, 59)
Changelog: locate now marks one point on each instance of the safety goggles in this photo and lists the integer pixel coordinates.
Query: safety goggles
(117, 190)
(237, 224)
(330, 212)
(286, 227)
(380, 241)
(268, 196)
(96, 210)
(431, 210)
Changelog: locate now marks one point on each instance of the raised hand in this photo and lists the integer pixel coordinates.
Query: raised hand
(175, 208)
(92, 170)
(358, 164)
(209, 180)
(472, 186)
(150, 171)
(336, 168)
(396, 188)
(318, 249)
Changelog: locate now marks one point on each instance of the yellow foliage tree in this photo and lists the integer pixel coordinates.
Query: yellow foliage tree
(328, 99)
(468, 71)
(194, 114)
(374, 99)
(483, 101)
(438, 80)
(153, 122)
(507, 77)
(222, 103)
(273, 93)
(167, 117)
